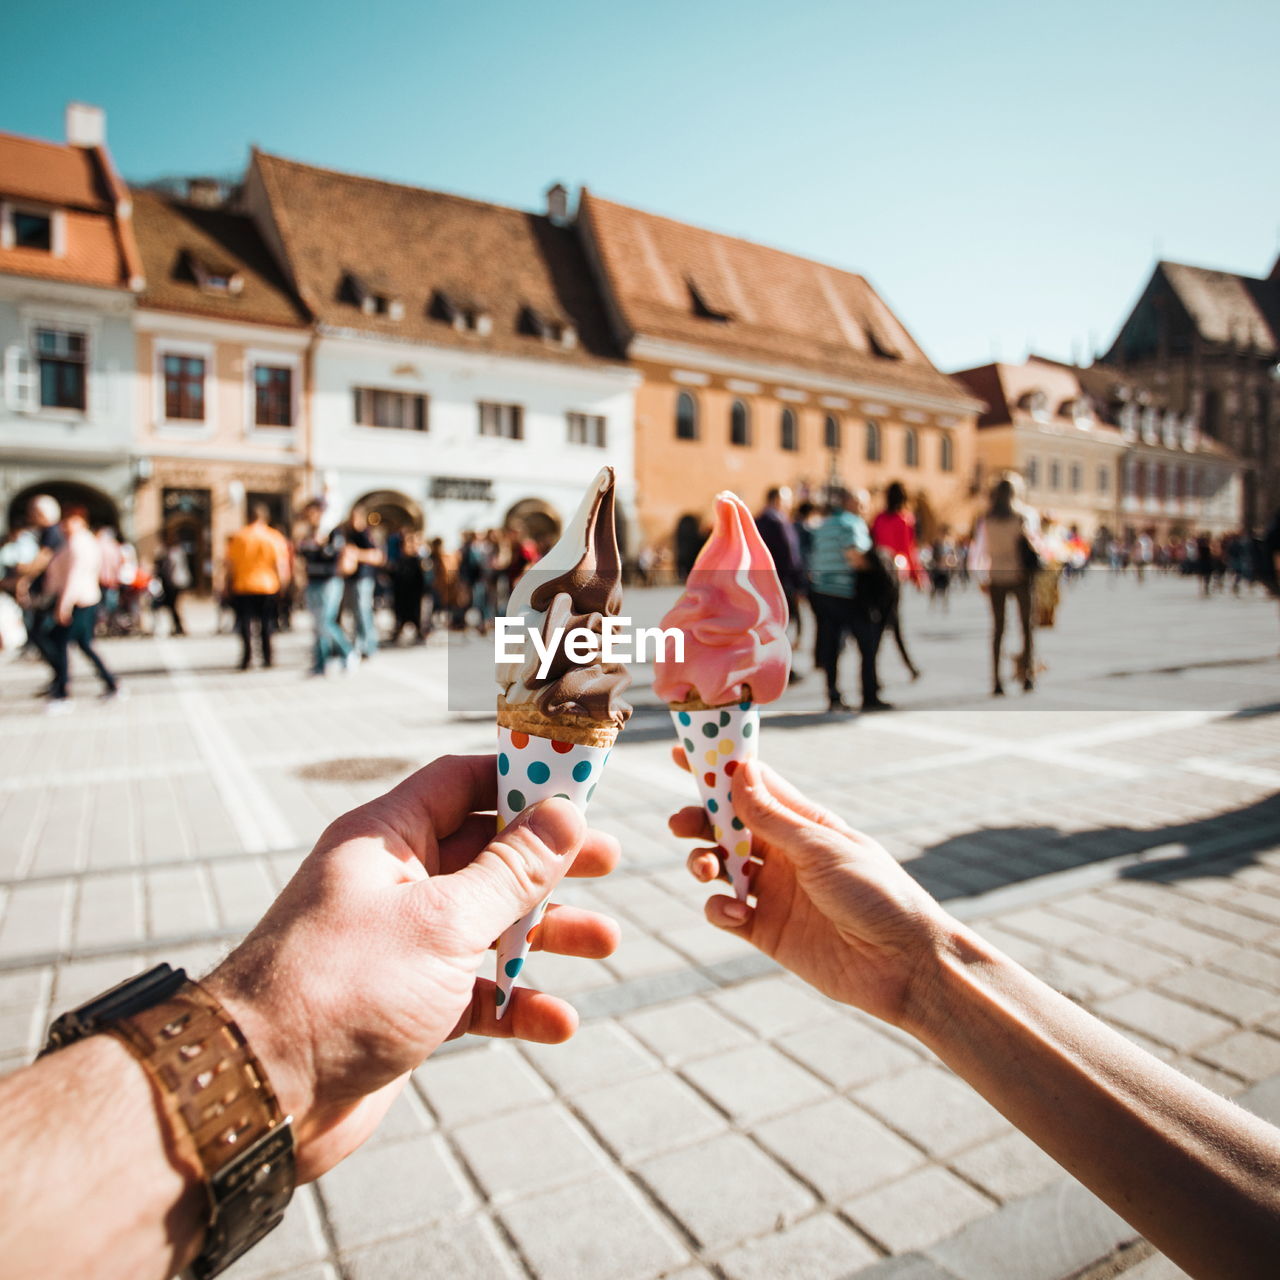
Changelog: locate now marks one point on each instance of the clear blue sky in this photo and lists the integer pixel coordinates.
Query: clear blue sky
(1003, 173)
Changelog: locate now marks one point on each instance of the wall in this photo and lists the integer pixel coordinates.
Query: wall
(93, 447)
(542, 466)
(678, 477)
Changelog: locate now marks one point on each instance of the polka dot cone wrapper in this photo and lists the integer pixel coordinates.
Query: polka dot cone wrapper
(715, 743)
(532, 769)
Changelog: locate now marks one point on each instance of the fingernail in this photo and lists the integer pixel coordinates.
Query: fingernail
(548, 823)
(738, 911)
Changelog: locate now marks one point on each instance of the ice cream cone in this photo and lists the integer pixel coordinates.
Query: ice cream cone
(716, 741)
(538, 759)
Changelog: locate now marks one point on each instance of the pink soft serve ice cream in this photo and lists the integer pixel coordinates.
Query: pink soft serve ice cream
(734, 617)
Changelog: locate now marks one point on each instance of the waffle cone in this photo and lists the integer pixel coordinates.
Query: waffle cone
(526, 718)
(695, 703)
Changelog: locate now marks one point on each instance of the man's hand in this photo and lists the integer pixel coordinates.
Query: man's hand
(367, 961)
(832, 905)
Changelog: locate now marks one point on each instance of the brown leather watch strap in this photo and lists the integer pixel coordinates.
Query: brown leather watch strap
(226, 1114)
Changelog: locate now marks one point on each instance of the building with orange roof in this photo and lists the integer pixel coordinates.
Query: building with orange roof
(1100, 452)
(70, 273)
(761, 368)
(221, 361)
(463, 373)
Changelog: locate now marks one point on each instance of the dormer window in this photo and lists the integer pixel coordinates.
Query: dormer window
(1036, 403)
(706, 305)
(552, 331)
(464, 316)
(215, 277)
(34, 229)
(358, 293)
(880, 342)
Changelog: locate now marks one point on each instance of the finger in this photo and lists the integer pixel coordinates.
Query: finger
(691, 823)
(448, 789)
(598, 856)
(682, 760)
(529, 1015)
(802, 839)
(798, 802)
(705, 865)
(730, 913)
(574, 931)
(514, 872)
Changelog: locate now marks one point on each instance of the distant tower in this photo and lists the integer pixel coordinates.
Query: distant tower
(558, 204)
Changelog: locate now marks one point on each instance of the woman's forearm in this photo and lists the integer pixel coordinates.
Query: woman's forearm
(1172, 1158)
(89, 1182)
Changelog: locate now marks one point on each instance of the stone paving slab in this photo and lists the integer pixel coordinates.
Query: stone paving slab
(1119, 834)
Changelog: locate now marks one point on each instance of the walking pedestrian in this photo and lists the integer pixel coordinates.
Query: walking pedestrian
(408, 588)
(894, 529)
(1004, 557)
(173, 573)
(257, 568)
(840, 547)
(319, 552)
(779, 536)
(361, 559)
(43, 517)
(942, 564)
(71, 587)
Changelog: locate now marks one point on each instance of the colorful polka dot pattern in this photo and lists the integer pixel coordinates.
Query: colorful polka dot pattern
(716, 742)
(532, 769)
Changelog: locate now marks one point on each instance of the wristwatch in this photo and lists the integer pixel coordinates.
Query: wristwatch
(222, 1109)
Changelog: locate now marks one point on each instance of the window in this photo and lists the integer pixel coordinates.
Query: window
(911, 448)
(272, 395)
(1104, 479)
(587, 428)
(789, 439)
(831, 432)
(505, 421)
(62, 357)
(686, 417)
(1033, 473)
(1055, 474)
(396, 410)
(873, 442)
(183, 388)
(32, 231)
(946, 453)
(739, 424)
(1077, 477)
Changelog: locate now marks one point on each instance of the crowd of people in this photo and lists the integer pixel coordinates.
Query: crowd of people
(843, 570)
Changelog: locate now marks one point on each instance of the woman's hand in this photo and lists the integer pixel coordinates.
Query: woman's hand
(831, 905)
(367, 961)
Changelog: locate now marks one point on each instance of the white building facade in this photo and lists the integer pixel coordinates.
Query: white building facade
(461, 440)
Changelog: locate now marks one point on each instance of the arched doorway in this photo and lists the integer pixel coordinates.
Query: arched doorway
(391, 512)
(689, 537)
(538, 519)
(69, 493)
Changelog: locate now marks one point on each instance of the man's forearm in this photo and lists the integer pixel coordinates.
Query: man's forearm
(1172, 1158)
(90, 1183)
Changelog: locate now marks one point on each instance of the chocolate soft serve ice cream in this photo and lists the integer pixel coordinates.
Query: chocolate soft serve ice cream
(576, 584)
(555, 729)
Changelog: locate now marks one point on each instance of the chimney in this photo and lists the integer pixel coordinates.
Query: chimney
(86, 125)
(558, 204)
(205, 193)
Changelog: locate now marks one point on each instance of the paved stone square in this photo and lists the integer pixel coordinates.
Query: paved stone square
(1118, 832)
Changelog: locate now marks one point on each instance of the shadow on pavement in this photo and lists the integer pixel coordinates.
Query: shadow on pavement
(993, 857)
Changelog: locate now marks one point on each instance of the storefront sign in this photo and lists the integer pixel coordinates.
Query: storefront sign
(461, 489)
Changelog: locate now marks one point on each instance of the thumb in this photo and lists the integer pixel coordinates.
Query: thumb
(517, 869)
(802, 841)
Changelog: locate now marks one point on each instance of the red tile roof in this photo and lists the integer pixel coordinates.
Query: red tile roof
(698, 288)
(433, 254)
(82, 182)
(178, 240)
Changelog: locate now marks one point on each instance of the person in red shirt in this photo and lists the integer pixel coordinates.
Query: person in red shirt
(894, 529)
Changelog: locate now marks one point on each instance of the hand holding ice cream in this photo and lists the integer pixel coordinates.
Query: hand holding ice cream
(733, 614)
